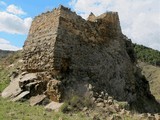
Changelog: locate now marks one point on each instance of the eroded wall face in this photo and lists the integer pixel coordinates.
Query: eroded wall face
(100, 56)
(39, 46)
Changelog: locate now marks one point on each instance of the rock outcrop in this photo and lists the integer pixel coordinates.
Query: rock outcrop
(70, 55)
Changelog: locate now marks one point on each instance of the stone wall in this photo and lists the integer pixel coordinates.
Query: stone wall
(87, 53)
(39, 46)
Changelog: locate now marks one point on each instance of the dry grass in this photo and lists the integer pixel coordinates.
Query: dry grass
(22, 111)
(152, 73)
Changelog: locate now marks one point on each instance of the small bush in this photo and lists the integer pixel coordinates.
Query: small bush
(75, 103)
(75, 100)
(64, 108)
(124, 105)
(88, 103)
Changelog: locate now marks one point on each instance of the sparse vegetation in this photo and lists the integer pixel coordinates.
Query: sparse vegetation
(4, 79)
(123, 105)
(5, 70)
(152, 73)
(23, 111)
(64, 108)
(4, 53)
(10, 58)
(149, 61)
(16, 110)
(75, 103)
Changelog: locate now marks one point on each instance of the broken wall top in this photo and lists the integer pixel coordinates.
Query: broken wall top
(39, 47)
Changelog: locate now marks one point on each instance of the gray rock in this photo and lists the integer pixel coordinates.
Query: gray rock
(106, 101)
(24, 73)
(36, 99)
(110, 98)
(157, 116)
(99, 100)
(100, 104)
(112, 109)
(86, 78)
(102, 93)
(129, 113)
(110, 101)
(20, 96)
(12, 90)
(122, 112)
(54, 106)
(116, 117)
(85, 109)
(93, 99)
(28, 77)
(90, 87)
(100, 96)
(117, 107)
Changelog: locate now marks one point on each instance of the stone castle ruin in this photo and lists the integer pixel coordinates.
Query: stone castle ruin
(65, 54)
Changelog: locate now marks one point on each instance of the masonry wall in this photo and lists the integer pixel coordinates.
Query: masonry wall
(64, 42)
(39, 46)
(82, 50)
(62, 45)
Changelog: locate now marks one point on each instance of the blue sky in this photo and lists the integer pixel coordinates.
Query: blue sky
(140, 19)
(31, 8)
(35, 7)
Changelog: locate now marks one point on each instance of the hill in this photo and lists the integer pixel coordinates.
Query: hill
(147, 55)
(8, 63)
(149, 62)
(4, 53)
(152, 73)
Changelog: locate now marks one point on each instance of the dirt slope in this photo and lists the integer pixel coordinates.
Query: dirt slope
(152, 73)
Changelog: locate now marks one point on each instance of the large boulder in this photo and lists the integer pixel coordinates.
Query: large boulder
(13, 89)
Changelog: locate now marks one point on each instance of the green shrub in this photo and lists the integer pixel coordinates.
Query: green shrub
(147, 55)
(75, 103)
(87, 102)
(75, 100)
(64, 108)
(124, 105)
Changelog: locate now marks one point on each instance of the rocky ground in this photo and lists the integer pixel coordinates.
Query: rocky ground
(108, 108)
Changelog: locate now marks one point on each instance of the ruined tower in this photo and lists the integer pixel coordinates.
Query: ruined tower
(67, 51)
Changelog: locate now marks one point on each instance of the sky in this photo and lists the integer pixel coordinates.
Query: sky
(140, 19)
